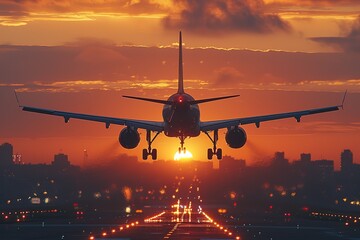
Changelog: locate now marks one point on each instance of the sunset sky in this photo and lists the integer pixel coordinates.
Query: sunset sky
(81, 56)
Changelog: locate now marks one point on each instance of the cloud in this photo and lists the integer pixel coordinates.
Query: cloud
(20, 12)
(228, 77)
(349, 43)
(12, 8)
(224, 16)
(312, 3)
(257, 16)
(71, 6)
(88, 65)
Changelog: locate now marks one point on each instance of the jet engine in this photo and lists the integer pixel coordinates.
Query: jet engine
(235, 137)
(129, 138)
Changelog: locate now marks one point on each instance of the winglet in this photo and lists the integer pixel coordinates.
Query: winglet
(342, 103)
(17, 99)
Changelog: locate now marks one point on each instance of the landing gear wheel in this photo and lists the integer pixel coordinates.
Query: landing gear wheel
(145, 154)
(210, 154)
(149, 151)
(219, 154)
(214, 150)
(154, 154)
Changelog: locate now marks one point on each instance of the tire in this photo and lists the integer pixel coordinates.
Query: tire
(145, 154)
(154, 154)
(210, 154)
(219, 154)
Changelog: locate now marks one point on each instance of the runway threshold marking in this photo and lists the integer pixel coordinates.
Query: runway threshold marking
(171, 231)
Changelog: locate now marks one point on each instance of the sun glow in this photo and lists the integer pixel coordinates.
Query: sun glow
(183, 155)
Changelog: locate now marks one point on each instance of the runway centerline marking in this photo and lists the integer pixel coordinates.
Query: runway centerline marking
(171, 231)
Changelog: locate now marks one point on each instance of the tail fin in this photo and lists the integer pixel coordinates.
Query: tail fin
(181, 79)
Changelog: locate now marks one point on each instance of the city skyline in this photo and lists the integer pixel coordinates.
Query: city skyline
(305, 182)
(346, 159)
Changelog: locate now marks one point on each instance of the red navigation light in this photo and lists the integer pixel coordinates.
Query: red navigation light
(180, 99)
(305, 209)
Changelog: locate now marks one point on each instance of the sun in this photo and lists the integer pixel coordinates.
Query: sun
(183, 155)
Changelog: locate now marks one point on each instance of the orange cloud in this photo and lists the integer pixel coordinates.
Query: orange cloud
(349, 43)
(89, 65)
(313, 2)
(18, 13)
(223, 16)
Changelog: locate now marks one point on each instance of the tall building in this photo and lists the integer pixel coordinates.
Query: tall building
(61, 161)
(6, 155)
(85, 158)
(346, 160)
(279, 159)
(305, 157)
(230, 163)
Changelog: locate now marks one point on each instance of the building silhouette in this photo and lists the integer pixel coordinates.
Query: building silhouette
(279, 160)
(61, 161)
(346, 161)
(305, 157)
(229, 163)
(6, 155)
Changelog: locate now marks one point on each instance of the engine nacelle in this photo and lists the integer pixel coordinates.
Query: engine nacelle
(129, 138)
(235, 137)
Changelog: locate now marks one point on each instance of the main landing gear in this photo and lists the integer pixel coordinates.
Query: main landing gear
(149, 151)
(214, 151)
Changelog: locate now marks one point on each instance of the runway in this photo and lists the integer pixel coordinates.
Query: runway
(183, 216)
(170, 225)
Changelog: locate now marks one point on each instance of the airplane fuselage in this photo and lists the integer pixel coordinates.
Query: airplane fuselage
(181, 119)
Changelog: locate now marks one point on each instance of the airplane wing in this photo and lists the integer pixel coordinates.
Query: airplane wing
(214, 125)
(148, 125)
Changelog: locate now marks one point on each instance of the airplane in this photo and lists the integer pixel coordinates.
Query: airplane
(181, 119)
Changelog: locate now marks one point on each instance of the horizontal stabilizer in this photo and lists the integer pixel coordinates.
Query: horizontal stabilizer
(211, 99)
(150, 100)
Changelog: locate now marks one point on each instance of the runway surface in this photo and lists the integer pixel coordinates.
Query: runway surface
(183, 217)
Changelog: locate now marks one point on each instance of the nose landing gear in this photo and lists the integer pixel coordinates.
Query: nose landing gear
(182, 148)
(214, 150)
(149, 151)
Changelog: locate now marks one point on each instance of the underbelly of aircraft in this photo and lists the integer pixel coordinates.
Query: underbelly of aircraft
(185, 129)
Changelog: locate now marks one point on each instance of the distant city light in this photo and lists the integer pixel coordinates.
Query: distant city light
(128, 209)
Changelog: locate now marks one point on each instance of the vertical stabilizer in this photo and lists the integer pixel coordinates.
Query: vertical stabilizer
(181, 79)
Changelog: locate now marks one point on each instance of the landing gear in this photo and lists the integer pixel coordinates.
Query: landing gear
(149, 151)
(214, 150)
(182, 148)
